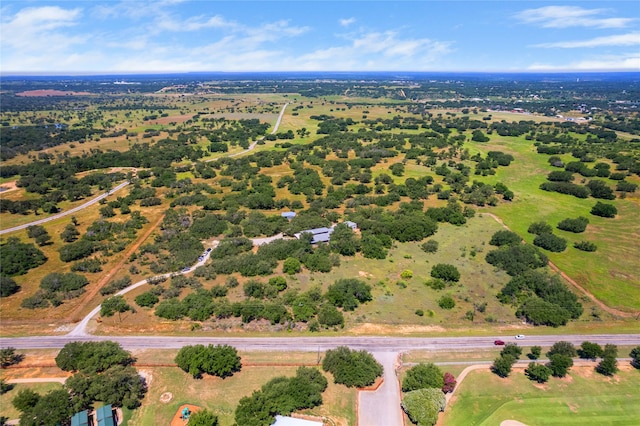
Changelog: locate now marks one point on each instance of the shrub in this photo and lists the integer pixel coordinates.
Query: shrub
(576, 225)
(430, 246)
(517, 259)
(539, 228)
(505, 238)
(538, 372)
(220, 360)
(406, 274)
(8, 286)
(445, 272)
(585, 246)
(604, 210)
(423, 405)
(446, 302)
(436, 284)
(550, 242)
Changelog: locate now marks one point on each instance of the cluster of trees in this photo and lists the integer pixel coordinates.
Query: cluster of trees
(102, 373)
(55, 288)
(540, 298)
(545, 237)
(18, 257)
(281, 396)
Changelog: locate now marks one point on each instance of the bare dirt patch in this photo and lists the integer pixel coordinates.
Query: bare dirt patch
(50, 92)
(166, 397)
(8, 186)
(511, 423)
(369, 328)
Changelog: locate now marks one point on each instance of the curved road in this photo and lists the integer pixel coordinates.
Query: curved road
(66, 213)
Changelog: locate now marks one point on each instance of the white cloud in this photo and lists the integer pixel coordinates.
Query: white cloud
(631, 39)
(570, 16)
(346, 22)
(629, 62)
(38, 31)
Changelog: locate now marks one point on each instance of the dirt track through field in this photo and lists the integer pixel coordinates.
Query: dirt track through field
(571, 281)
(73, 317)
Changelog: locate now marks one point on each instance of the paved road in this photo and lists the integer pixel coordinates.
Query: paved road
(66, 213)
(374, 344)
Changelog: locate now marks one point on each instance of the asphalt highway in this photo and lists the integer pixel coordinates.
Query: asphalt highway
(321, 343)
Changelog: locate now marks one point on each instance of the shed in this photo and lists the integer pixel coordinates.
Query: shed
(104, 416)
(351, 225)
(80, 419)
(288, 215)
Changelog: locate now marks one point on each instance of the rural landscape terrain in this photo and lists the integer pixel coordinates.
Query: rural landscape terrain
(352, 248)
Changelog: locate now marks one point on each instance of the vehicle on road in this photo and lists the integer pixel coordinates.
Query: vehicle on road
(498, 342)
(208, 250)
(520, 337)
(185, 270)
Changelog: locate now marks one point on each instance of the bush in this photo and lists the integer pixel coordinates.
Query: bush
(8, 286)
(330, 316)
(576, 225)
(422, 376)
(585, 246)
(505, 238)
(539, 228)
(423, 405)
(517, 259)
(430, 246)
(446, 302)
(346, 293)
(436, 284)
(291, 266)
(550, 242)
(604, 210)
(351, 368)
(147, 299)
(538, 372)
(445, 272)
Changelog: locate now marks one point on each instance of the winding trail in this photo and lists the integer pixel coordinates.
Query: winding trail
(610, 310)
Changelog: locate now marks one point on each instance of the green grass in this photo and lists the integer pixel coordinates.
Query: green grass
(584, 398)
(222, 396)
(6, 407)
(610, 273)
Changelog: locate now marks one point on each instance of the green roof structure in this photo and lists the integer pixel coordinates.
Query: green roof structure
(80, 419)
(104, 416)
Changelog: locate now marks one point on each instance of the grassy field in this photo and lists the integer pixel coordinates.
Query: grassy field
(609, 273)
(583, 397)
(222, 395)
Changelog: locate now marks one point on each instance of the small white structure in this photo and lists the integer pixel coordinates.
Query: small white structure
(292, 421)
(351, 225)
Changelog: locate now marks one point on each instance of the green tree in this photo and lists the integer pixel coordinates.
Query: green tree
(564, 348)
(423, 376)
(540, 228)
(550, 242)
(330, 316)
(114, 304)
(343, 240)
(220, 360)
(423, 405)
(502, 365)
(9, 356)
(560, 364)
(92, 357)
(52, 409)
(18, 258)
(351, 368)
(8, 286)
(25, 400)
(5, 387)
(504, 238)
(203, 418)
(589, 350)
(147, 299)
(291, 266)
(534, 352)
(445, 272)
(511, 349)
(538, 372)
(609, 364)
(346, 293)
(635, 356)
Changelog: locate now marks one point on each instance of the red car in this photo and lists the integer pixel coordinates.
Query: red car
(498, 342)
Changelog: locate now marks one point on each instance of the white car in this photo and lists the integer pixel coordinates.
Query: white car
(520, 336)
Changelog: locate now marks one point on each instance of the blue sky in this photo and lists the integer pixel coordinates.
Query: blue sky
(181, 36)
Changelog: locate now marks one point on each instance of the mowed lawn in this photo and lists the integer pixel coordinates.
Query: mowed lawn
(582, 398)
